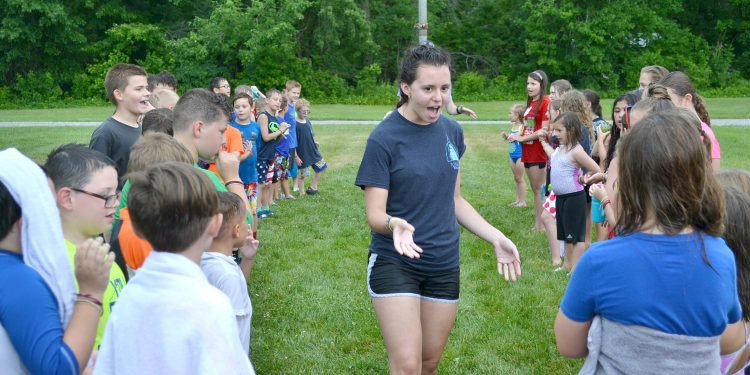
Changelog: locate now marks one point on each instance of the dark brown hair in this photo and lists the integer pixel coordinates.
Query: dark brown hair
(664, 174)
(171, 204)
(737, 237)
(593, 98)
(159, 121)
(243, 95)
(680, 83)
(571, 121)
(416, 57)
(197, 104)
(736, 178)
(118, 76)
(541, 77)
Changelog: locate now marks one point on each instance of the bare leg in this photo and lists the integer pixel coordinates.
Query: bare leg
(315, 181)
(587, 239)
(301, 183)
(517, 169)
(285, 188)
(554, 244)
(536, 179)
(578, 249)
(401, 327)
(437, 322)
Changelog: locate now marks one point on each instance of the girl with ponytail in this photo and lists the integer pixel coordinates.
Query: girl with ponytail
(683, 94)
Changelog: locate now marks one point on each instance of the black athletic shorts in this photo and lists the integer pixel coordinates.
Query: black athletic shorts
(538, 165)
(390, 278)
(571, 217)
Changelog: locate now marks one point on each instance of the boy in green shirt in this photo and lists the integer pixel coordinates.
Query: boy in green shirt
(86, 194)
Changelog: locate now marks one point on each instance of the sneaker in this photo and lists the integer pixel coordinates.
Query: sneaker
(290, 197)
(296, 189)
(311, 191)
(262, 214)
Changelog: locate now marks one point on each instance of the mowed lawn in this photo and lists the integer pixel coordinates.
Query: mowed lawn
(312, 313)
(719, 108)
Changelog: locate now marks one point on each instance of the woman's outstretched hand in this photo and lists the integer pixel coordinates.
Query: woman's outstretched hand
(403, 239)
(508, 260)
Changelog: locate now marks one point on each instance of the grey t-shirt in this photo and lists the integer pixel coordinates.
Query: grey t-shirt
(114, 139)
(418, 165)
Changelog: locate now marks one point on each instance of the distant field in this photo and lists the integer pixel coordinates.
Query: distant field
(717, 107)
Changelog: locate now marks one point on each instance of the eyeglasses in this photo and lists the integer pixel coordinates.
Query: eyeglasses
(225, 86)
(109, 200)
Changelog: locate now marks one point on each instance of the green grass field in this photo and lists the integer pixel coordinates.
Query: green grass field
(718, 108)
(312, 313)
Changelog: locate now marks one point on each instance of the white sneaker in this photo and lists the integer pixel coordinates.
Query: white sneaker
(296, 189)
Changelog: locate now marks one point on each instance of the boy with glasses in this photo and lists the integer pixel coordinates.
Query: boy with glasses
(86, 193)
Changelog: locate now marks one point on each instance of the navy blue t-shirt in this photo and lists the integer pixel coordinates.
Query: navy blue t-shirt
(267, 150)
(658, 281)
(418, 165)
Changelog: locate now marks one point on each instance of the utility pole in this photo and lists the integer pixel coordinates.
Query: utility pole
(421, 26)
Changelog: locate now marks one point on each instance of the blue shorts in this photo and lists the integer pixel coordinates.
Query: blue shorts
(390, 278)
(320, 166)
(514, 159)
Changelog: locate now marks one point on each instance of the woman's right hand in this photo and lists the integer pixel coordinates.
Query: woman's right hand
(403, 239)
(93, 263)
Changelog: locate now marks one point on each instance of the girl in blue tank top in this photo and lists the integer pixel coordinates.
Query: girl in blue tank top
(514, 152)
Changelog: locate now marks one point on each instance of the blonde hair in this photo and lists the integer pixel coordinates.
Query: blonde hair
(574, 101)
(518, 110)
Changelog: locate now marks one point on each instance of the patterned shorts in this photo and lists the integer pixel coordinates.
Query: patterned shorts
(266, 173)
(251, 190)
(281, 168)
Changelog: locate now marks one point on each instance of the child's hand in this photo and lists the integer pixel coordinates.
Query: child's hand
(248, 146)
(228, 164)
(598, 191)
(299, 162)
(469, 112)
(592, 178)
(508, 260)
(317, 145)
(250, 247)
(284, 126)
(505, 135)
(93, 263)
(512, 138)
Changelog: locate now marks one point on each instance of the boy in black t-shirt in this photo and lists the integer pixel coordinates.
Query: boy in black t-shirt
(127, 89)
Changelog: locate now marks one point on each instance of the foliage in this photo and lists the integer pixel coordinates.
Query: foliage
(349, 51)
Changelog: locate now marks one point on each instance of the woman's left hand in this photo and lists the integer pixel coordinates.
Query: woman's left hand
(508, 260)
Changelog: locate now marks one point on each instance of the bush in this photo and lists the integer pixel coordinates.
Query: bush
(36, 88)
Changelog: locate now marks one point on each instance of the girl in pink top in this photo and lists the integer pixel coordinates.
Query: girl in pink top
(682, 92)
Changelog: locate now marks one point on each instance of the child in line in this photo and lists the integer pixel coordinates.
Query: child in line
(271, 132)
(308, 151)
(126, 86)
(159, 121)
(220, 268)
(169, 319)
(292, 92)
(736, 186)
(283, 153)
(549, 211)
(514, 152)
(86, 194)
(566, 163)
(624, 307)
(232, 137)
(244, 108)
(46, 328)
(151, 149)
(532, 154)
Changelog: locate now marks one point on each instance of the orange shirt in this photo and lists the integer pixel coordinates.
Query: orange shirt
(233, 143)
(134, 249)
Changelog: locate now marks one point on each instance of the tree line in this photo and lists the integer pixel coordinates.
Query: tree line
(349, 50)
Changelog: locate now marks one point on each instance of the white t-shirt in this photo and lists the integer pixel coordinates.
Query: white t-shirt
(224, 273)
(170, 320)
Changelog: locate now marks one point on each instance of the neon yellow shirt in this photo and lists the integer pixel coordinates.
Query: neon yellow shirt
(116, 283)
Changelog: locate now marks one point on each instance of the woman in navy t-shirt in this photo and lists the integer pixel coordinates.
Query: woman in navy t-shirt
(410, 173)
